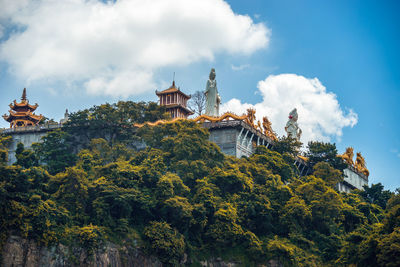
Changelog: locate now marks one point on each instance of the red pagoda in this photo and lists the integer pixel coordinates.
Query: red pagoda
(175, 101)
(21, 114)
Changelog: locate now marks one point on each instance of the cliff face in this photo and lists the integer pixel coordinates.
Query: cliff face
(21, 252)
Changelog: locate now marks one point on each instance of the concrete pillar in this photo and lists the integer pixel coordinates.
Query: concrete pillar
(244, 138)
(249, 143)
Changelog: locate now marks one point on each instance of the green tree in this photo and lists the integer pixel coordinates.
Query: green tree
(375, 194)
(275, 162)
(56, 150)
(325, 152)
(112, 122)
(25, 158)
(72, 192)
(165, 242)
(287, 145)
(327, 173)
(225, 230)
(5, 141)
(389, 249)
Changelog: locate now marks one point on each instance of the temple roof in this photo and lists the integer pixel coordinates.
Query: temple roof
(172, 89)
(21, 114)
(179, 106)
(24, 104)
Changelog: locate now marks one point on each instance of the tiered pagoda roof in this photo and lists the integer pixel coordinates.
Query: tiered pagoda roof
(21, 114)
(175, 101)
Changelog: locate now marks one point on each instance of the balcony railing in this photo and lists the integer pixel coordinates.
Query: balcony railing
(36, 128)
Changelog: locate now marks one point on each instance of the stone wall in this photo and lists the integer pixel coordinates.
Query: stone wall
(27, 136)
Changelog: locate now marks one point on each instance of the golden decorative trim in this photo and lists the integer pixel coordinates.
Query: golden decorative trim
(225, 116)
(159, 122)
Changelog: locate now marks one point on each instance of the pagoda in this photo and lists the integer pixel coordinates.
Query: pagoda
(175, 102)
(21, 114)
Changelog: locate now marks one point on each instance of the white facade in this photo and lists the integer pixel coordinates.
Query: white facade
(352, 180)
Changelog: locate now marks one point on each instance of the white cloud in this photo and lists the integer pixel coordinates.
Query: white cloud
(320, 115)
(102, 44)
(121, 83)
(240, 67)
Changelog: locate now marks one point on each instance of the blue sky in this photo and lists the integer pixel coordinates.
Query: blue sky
(337, 61)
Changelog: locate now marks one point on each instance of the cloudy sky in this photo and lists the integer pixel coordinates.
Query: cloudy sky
(337, 62)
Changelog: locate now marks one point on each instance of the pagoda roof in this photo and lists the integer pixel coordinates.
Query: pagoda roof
(172, 89)
(179, 106)
(22, 115)
(23, 104)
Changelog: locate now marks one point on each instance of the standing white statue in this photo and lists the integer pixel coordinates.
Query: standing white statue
(292, 128)
(212, 97)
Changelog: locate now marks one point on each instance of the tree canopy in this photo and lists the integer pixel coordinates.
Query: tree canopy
(180, 195)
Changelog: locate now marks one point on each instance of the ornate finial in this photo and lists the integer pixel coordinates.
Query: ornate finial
(23, 95)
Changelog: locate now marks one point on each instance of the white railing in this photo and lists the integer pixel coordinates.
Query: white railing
(35, 128)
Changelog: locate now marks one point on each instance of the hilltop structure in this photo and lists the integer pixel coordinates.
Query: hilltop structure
(175, 102)
(235, 135)
(24, 126)
(21, 114)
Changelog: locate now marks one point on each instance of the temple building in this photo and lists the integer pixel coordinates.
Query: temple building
(175, 102)
(21, 114)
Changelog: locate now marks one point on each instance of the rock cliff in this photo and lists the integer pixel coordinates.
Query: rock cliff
(19, 252)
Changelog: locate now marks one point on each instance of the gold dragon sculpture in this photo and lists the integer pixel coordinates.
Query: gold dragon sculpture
(140, 125)
(225, 116)
(251, 117)
(360, 164)
(267, 127)
(347, 156)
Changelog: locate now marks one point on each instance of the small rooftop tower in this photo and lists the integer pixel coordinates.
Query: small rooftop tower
(175, 101)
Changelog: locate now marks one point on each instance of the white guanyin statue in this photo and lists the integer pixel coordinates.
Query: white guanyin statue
(292, 128)
(212, 97)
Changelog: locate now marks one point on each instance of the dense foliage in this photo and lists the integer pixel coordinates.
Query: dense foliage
(182, 195)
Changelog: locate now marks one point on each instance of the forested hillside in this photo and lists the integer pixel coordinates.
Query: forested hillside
(87, 185)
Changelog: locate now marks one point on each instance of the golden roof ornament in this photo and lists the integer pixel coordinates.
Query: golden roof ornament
(360, 164)
(347, 156)
(251, 117)
(267, 126)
